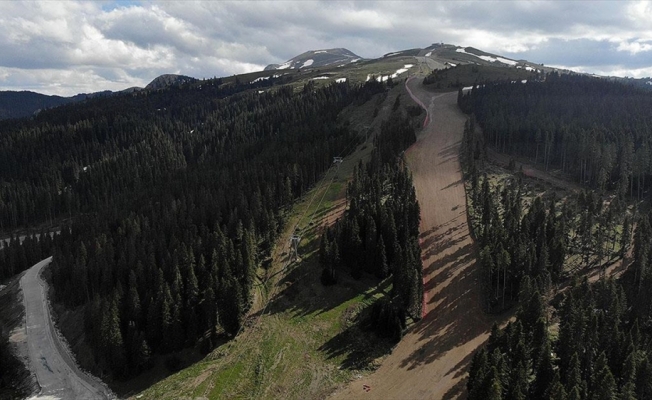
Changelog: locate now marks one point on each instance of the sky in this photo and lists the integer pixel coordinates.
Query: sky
(70, 47)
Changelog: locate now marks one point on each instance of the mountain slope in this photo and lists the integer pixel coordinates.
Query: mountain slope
(318, 58)
(25, 103)
(22, 104)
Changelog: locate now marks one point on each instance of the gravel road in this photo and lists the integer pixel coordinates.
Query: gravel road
(432, 360)
(49, 358)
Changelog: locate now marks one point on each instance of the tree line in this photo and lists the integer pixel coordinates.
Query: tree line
(595, 130)
(538, 239)
(379, 232)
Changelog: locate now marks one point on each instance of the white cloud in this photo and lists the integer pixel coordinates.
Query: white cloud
(634, 47)
(69, 46)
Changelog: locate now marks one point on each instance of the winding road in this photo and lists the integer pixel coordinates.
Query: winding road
(49, 359)
(432, 360)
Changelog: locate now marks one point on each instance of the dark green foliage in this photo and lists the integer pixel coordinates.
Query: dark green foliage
(379, 233)
(594, 129)
(18, 254)
(175, 197)
(471, 74)
(387, 319)
(516, 243)
(599, 353)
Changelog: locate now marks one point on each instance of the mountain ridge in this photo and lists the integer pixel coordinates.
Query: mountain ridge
(20, 104)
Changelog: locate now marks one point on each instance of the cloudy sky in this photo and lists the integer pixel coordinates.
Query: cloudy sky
(71, 47)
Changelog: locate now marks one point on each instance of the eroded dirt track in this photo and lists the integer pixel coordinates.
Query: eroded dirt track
(432, 360)
(50, 361)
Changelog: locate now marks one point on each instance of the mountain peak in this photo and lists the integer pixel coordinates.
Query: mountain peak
(318, 58)
(166, 80)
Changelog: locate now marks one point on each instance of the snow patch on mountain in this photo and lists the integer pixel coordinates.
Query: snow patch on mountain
(489, 58)
(401, 70)
(262, 78)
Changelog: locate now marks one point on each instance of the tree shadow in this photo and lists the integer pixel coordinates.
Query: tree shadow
(301, 292)
(456, 316)
(451, 185)
(358, 347)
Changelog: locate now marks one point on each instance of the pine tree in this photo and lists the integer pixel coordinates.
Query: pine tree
(556, 390)
(544, 374)
(478, 376)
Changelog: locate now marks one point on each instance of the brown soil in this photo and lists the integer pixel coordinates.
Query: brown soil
(433, 358)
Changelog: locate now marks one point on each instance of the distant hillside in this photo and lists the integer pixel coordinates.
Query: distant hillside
(25, 103)
(318, 58)
(166, 80)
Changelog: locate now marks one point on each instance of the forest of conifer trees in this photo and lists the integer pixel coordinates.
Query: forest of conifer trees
(594, 130)
(176, 197)
(592, 340)
(379, 232)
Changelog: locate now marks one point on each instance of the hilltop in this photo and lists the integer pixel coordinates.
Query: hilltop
(318, 58)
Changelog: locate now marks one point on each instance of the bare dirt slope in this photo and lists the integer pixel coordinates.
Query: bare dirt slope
(433, 358)
(53, 365)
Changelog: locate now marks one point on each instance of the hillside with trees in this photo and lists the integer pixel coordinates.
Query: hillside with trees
(176, 198)
(379, 233)
(593, 130)
(590, 341)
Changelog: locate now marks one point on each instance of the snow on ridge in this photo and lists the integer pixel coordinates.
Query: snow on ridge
(262, 78)
(355, 60)
(320, 51)
(506, 61)
(320, 77)
(307, 63)
(285, 65)
(340, 80)
(489, 58)
(428, 54)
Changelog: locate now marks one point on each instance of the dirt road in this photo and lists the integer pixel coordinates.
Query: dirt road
(432, 360)
(51, 362)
